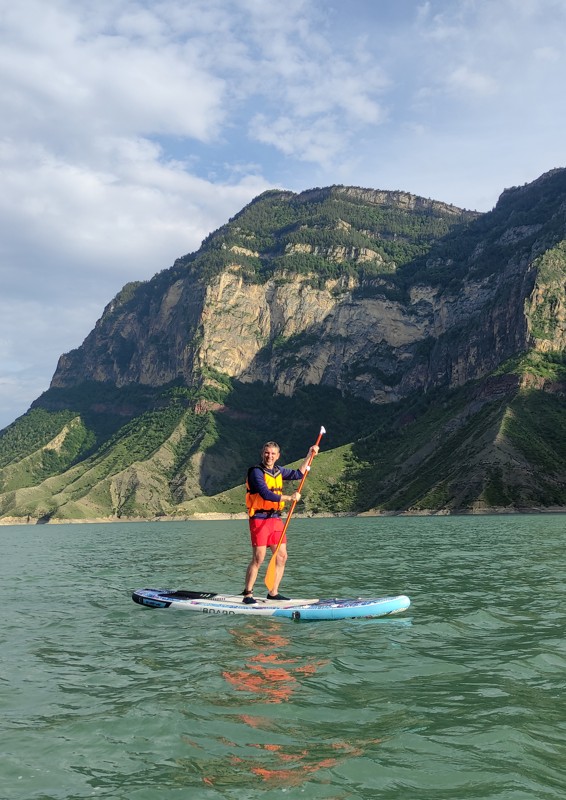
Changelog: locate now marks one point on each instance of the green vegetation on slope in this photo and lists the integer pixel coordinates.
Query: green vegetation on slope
(525, 220)
(225, 442)
(446, 450)
(537, 427)
(441, 450)
(299, 233)
(55, 457)
(551, 294)
(550, 366)
(454, 451)
(31, 432)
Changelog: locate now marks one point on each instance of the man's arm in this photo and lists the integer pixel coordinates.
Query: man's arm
(309, 457)
(298, 474)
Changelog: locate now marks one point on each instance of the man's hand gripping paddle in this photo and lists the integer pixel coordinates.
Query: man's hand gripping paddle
(271, 569)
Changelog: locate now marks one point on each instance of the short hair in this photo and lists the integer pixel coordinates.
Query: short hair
(270, 444)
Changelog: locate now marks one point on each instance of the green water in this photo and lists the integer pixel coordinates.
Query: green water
(460, 697)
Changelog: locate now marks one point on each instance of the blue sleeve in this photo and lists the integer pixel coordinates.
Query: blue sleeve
(291, 474)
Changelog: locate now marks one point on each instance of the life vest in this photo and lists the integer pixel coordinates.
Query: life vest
(255, 502)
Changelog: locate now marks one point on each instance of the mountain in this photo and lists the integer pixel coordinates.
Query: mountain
(429, 340)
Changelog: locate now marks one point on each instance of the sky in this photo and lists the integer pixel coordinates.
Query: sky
(131, 129)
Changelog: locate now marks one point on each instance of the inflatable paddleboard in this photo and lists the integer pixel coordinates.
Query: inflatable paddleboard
(301, 609)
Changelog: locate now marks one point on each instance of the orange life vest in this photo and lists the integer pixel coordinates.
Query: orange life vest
(255, 502)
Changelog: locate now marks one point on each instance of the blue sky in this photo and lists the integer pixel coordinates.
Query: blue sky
(129, 129)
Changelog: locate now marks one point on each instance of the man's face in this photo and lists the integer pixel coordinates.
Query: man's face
(270, 456)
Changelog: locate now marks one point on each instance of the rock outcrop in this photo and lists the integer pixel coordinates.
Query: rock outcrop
(465, 304)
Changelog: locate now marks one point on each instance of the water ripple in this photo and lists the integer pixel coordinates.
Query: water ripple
(461, 697)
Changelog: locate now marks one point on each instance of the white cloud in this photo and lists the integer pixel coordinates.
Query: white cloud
(319, 141)
(126, 215)
(82, 81)
(89, 202)
(471, 81)
(129, 129)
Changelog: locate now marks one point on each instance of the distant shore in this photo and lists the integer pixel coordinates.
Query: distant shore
(216, 516)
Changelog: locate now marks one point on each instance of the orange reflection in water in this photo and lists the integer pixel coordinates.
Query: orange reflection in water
(295, 776)
(275, 686)
(267, 674)
(272, 676)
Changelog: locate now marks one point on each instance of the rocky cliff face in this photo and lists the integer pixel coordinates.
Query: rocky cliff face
(355, 290)
(450, 323)
(545, 307)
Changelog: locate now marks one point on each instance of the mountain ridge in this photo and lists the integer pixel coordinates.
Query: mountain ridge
(442, 327)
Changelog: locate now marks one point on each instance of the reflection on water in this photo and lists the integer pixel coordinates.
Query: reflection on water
(272, 676)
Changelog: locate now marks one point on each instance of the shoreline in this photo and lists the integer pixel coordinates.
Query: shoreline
(214, 516)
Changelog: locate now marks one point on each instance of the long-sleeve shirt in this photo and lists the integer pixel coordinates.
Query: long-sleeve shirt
(258, 485)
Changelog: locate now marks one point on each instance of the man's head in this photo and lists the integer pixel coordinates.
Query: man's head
(270, 452)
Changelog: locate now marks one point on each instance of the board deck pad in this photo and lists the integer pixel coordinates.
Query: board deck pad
(299, 609)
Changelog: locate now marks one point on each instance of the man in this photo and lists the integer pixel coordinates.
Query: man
(265, 501)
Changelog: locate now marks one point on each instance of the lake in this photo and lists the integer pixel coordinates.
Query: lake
(462, 696)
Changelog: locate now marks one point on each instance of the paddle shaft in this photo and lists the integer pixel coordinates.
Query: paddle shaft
(270, 573)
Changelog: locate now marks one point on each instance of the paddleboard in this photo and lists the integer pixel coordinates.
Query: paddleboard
(298, 609)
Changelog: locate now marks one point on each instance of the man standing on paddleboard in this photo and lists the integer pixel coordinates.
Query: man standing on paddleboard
(265, 501)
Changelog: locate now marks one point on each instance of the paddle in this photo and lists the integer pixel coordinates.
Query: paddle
(271, 569)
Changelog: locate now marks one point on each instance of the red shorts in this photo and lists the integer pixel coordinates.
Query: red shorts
(266, 532)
